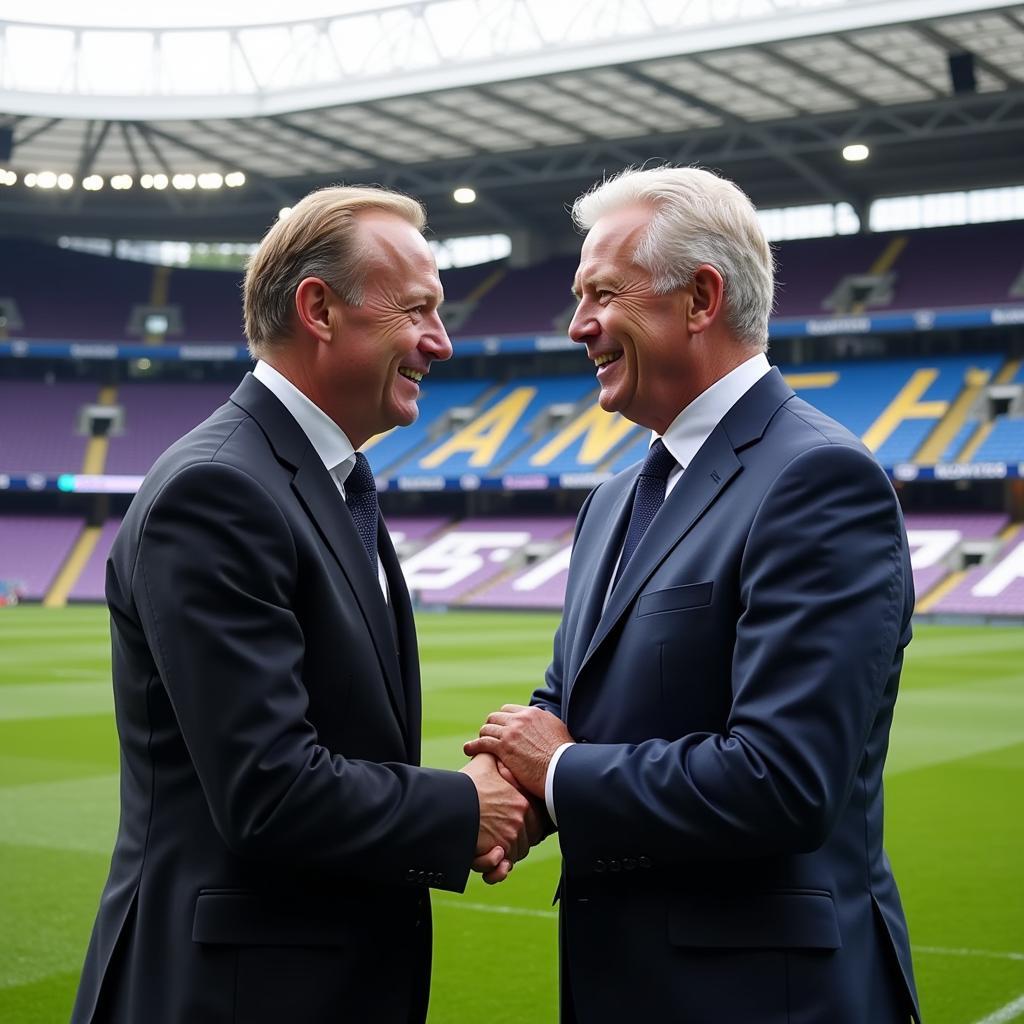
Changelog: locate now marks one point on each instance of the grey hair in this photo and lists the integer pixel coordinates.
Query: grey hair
(698, 218)
(319, 238)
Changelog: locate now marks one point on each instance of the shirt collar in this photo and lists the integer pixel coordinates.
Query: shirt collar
(693, 426)
(329, 441)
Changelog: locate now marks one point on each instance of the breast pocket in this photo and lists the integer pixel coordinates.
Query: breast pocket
(675, 599)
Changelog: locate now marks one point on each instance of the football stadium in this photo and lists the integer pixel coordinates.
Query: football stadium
(141, 161)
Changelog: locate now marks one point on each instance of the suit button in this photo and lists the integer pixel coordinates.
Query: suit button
(582, 739)
(614, 865)
(644, 862)
(600, 866)
(629, 863)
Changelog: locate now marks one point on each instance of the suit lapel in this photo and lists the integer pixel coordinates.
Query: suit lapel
(323, 503)
(405, 640)
(706, 477)
(603, 546)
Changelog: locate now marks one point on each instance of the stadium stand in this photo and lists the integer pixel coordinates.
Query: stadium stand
(32, 550)
(936, 268)
(992, 589)
(474, 553)
(155, 415)
(936, 543)
(38, 426)
(89, 584)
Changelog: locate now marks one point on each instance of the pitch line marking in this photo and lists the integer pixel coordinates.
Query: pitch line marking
(1011, 1011)
(988, 954)
(496, 908)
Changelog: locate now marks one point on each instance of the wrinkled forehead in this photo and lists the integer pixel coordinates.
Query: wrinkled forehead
(613, 239)
(394, 247)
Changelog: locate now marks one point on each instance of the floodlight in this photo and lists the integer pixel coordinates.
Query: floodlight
(464, 195)
(46, 179)
(184, 181)
(93, 183)
(211, 180)
(146, 181)
(65, 181)
(159, 182)
(121, 182)
(855, 152)
(285, 211)
(30, 180)
(235, 179)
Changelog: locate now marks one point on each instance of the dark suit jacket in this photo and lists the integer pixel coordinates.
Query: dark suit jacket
(276, 842)
(720, 817)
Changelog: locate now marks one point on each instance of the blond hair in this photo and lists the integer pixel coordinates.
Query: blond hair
(317, 239)
(698, 218)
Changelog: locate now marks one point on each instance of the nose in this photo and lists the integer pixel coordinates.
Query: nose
(436, 342)
(583, 325)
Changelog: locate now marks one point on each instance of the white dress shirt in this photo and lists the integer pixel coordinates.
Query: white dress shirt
(329, 441)
(685, 436)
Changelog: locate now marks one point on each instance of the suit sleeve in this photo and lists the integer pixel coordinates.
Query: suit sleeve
(549, 695)
(215, 584)
(822, 595)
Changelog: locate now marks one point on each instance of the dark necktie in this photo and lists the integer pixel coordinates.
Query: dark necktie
(361, 498)
(647, 499)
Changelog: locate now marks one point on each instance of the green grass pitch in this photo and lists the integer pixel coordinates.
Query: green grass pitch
(954, 816)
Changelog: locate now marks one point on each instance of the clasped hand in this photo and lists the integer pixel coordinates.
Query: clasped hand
(509, 766)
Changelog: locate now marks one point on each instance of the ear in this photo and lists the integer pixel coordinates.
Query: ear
(313, 307)
(708, 294)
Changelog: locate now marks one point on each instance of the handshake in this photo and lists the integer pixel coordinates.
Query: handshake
(509, 768)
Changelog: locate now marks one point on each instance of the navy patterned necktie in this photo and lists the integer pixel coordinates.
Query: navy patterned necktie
(647, 499)
(361, 498)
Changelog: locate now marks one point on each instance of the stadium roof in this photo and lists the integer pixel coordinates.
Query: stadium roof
(526, 101)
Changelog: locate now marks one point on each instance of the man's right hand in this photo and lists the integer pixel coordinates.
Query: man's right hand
(506, 820)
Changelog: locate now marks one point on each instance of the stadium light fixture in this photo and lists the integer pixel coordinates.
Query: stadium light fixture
(30, 180)
(159, 182)
(146, 181)
(234, 180)
(856, 152)
(284, 212)
(93, 183)
(121, 182)
(65, 182)
(46, 179)
(211, 180)
(464, 195)
(8, 177)
(184, 182)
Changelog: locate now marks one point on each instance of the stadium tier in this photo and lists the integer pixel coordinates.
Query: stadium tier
(101, 297)
(32, 551)
(523, 561)
(905, 410)
(155, 415)
(39, 426)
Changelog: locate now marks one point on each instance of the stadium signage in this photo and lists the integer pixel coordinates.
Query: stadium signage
(78, 483)
(517, 344)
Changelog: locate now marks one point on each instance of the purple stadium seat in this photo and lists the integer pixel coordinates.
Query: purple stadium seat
(32, 550)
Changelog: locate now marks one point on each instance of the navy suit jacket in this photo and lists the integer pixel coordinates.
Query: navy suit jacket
(276, 839)
(720, 816)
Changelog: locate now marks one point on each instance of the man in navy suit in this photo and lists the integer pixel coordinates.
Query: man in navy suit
(278, 839)
(711, 733)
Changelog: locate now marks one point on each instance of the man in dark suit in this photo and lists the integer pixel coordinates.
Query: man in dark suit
(277, 839)
(712, 730)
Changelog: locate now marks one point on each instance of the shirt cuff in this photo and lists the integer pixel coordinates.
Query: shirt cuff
(549, 782)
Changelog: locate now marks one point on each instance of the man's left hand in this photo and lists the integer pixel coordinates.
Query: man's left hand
(524, 740)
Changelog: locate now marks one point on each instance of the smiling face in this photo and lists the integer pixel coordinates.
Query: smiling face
(637, 339)
(382, 349)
